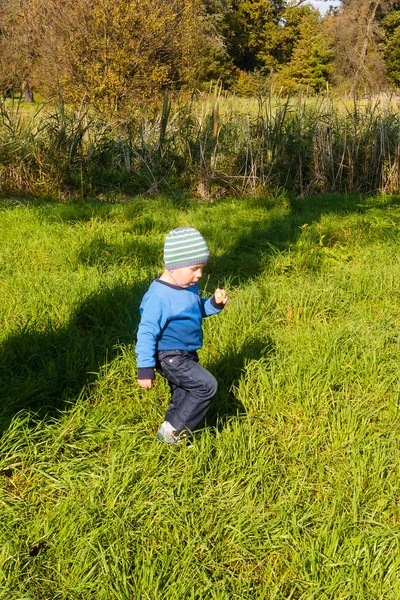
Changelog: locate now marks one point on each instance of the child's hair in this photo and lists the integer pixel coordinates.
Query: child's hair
(185, 247)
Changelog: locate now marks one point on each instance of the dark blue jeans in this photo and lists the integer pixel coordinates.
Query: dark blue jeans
(192, 388)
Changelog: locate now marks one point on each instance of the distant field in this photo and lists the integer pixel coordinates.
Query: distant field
(291, 491)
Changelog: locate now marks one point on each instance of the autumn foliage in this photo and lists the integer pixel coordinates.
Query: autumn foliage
(107, 52)
(120, 56)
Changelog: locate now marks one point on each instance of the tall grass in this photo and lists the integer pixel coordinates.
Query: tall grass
(211, 146)
(292, 488)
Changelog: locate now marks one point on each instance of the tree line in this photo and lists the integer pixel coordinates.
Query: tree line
(123, 54)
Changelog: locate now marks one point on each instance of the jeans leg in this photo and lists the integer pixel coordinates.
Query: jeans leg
(192, 389)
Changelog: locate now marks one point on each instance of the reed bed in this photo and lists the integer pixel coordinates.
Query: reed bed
(210, 147)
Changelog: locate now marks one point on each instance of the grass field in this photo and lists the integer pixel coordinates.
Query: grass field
(291, 491)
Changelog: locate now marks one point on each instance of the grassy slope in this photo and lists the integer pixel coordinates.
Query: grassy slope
(293, 489)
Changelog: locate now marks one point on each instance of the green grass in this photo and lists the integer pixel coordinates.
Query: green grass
(291, 490)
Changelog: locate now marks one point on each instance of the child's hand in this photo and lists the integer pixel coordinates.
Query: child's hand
(221, 297)
(147, 384)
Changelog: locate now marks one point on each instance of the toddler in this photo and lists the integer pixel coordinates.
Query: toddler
(170, 333)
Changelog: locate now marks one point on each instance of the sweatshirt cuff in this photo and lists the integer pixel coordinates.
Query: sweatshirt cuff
(146, 373)
(215, 304)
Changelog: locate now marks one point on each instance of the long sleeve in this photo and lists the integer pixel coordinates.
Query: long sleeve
(153, 320)
(210, 306)
(170, 320)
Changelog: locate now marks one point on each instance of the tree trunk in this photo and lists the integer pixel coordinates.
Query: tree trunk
(28, 93)
(364, 50)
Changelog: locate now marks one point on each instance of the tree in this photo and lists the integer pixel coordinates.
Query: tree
(310, 64)
(17, 48)
(391, 28)
(358, 35)
(215, 62)
(256, 32)
(110, 53)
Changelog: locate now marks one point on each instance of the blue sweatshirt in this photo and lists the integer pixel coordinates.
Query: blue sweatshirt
(171, 319)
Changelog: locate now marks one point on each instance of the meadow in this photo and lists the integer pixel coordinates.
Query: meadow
(292, 488)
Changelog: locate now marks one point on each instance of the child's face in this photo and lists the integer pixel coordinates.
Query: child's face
(187, 276)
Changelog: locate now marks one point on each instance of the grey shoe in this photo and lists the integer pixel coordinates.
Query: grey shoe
(169, 436)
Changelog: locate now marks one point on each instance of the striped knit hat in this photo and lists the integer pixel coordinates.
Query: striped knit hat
(185, 247)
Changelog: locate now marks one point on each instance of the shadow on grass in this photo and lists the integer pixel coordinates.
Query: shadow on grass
(246, 257)
(42, 371)
(103, 254)
(228, 371)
